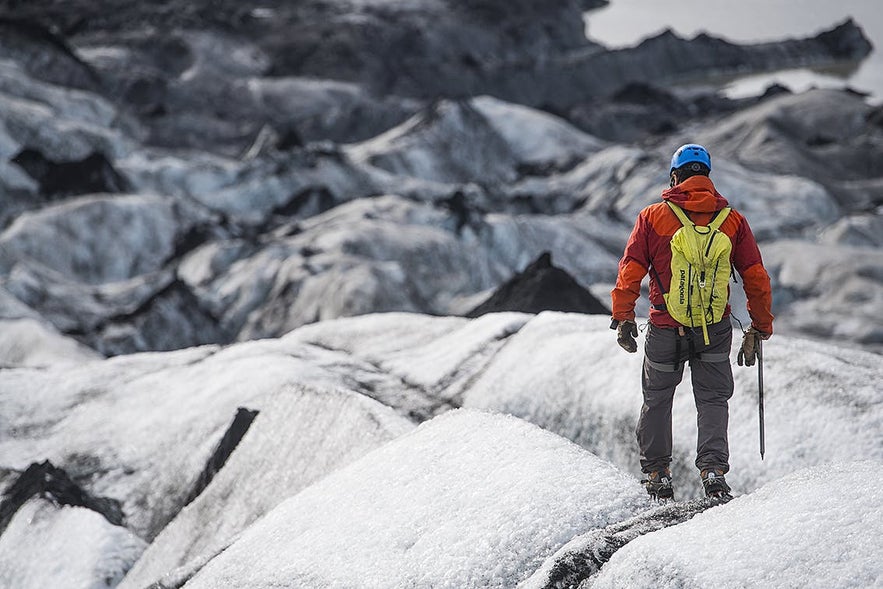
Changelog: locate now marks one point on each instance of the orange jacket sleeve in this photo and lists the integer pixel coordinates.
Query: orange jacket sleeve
(632, 268)
(755, 280)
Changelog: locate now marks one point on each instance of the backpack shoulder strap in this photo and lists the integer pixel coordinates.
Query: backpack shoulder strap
(719, 219)
(715, 224)
(680, 214)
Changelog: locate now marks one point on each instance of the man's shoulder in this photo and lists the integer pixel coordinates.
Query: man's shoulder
(733, 222)
(659, 216)
(655, 209)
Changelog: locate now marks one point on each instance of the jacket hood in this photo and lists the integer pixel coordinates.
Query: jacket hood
(696, 193)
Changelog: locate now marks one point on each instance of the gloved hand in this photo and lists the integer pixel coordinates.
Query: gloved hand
(748, 353)
(626, 332)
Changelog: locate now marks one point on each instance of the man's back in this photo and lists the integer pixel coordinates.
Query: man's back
(649, 250)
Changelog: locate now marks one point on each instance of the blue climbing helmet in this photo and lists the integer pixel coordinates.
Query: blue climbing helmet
(690, 152)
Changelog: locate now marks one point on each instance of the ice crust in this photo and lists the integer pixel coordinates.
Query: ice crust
(469, 499)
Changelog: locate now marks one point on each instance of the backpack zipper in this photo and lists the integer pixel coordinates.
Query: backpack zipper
(710, 239)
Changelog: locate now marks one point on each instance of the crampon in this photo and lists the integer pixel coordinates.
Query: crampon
(658, 485)
(715, 485)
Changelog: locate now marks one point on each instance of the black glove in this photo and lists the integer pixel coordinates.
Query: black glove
(626, 332)
(748, 352)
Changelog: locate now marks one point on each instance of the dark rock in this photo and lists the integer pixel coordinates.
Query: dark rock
(856, 92)
(147, 94)
(820, 140)
(584, 556)
(845, 41)
(194, 237)
(425, 50)
(525, 52)
(92, 174)
(631, 113)
(45, 480)
(172, 318)
(541, 287)
(875, 117)
(43, 53)
(775, 90)
(289, 139)
(241, 422)
(669, 59)
(308, 202)
(641, 93)
(458, 205)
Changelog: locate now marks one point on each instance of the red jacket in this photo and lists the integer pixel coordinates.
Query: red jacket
(649, 250)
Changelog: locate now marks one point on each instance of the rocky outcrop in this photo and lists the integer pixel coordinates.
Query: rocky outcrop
(641, 110)
(823, 135)
(92, 174)
(541, 287)
(481, 141)
(582, 557)
(669, 59)
(45, 480)
(303, 195)
(45, 54)
(272, 65)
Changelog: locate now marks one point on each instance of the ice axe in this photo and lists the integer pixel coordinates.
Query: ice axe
(760, 393)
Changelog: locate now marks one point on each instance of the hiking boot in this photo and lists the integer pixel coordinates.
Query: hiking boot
(658, 485)
(715, 484)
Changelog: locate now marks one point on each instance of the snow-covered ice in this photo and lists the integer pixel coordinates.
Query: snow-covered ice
(469, 499)
(28, 341)
(142, 230)
(142, 427)
(564, 372)
(819, 527)
(72, 547)
(300, 436)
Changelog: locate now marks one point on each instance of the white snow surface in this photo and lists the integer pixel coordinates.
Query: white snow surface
(300, 435)
(565, 373)
(819, 527)
(469, 499)
(433, 353)
(71, 547)
(150, 421)
(31, 342)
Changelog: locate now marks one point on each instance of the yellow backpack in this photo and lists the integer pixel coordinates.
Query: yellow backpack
(700, 270)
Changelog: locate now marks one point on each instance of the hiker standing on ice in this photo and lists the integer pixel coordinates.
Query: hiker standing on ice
(689, 243)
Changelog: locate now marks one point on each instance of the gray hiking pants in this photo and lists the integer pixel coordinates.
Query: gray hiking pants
(665, 353)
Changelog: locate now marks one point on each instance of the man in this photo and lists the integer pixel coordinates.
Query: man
(691, 209)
